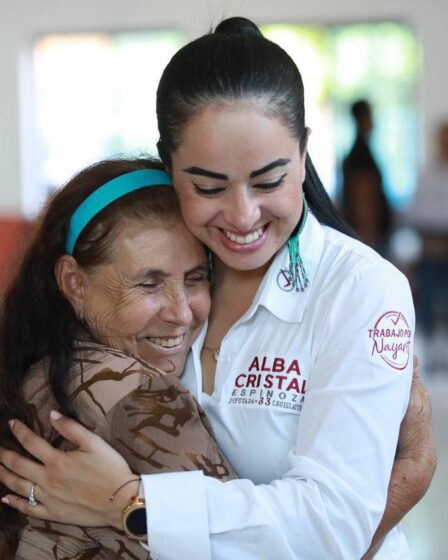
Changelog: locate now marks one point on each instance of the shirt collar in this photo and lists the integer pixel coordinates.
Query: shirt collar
(275, 292)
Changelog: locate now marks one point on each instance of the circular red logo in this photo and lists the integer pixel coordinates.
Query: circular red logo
(284, 281)
(391, 339)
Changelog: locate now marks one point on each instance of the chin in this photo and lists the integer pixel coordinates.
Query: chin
(173, 365)
(245, 263)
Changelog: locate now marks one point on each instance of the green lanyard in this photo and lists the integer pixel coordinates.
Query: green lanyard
(297, 273)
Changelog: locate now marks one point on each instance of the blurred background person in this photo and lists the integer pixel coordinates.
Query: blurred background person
(364, 203)
(429, 216)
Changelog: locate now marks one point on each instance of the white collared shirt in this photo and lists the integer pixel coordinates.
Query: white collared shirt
(310, 390)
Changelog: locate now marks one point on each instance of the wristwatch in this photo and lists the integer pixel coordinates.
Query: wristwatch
(133, 520)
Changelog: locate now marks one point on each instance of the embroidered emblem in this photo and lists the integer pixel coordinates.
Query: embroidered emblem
(391, 339)
(284, 281)
(270, 382)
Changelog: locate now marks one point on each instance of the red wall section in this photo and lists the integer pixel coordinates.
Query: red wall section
(14, 234)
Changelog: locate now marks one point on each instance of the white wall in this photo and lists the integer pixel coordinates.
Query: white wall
(22, 20)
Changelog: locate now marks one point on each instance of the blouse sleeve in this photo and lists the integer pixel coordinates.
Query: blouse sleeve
(330, 501)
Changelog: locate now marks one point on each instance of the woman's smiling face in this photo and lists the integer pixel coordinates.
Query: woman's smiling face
(238, 174)
(152, 297)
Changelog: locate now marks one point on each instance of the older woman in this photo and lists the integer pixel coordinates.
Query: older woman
(110, 296)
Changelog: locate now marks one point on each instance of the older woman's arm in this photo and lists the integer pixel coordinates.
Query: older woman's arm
(414, 465)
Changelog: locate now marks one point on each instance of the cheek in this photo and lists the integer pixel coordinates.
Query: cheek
(193, 214)
(140, 312)
(200, 305)
(284, 210)
(195, 211)
(290, 204)
(133, 312)
(99, 308)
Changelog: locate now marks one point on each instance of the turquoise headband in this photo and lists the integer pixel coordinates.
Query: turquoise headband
(108, 193)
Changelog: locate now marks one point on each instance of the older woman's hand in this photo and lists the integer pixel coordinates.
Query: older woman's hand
(71, 487)
(415, 462)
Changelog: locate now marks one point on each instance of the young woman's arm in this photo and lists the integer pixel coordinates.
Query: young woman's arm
(414, 465)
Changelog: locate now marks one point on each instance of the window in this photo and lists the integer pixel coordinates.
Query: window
(95, 98)
(342, 63)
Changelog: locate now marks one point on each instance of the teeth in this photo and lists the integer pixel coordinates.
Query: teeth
(244, 239)
(167, 342)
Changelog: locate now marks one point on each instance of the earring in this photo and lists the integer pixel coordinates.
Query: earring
(297, 272)
(210, 266)
(82, 320)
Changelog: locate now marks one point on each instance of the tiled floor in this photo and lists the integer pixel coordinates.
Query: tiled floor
(426, 526)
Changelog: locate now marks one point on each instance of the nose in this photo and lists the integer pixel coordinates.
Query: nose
(243, 210)
(176, 309)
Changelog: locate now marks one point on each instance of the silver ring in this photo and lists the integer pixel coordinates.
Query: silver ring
(32, 497)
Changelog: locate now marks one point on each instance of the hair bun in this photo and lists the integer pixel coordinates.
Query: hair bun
(238, 26)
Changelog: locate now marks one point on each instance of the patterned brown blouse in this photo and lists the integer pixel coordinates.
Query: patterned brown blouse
(148, 417)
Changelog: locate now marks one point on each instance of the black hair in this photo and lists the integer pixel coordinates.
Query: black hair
(360, 108)
(232, 63)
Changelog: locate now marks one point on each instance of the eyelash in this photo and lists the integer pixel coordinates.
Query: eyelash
(192, 280)
(218, 190)
(268, 186)
(211, 192)
(149, 287)
(197, 279)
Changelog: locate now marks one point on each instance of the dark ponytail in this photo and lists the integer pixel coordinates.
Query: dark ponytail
(321, 204)
(239, 26)
(232, 63)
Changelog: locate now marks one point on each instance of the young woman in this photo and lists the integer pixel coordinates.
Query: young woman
(305, 365)
(112, 285)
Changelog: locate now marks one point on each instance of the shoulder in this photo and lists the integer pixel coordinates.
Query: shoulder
(103, 376)
(351, 257)
(354, 278)
(38, 395)
(93, 356)
(363, 306)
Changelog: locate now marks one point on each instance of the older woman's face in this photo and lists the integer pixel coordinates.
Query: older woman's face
(153, 298)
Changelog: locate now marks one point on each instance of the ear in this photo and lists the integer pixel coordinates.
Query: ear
(303, 155)
(71, 280)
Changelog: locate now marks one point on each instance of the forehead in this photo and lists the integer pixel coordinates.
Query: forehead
(234, 134)
(165, 247)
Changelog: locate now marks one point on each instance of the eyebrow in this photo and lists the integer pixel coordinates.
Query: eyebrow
(205, 173)
(277, 163)
(198, 268)
(161, 274)
(147, 272)
(215, 175)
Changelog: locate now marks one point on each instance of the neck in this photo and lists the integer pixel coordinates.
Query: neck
(238, 283)
(233, 293)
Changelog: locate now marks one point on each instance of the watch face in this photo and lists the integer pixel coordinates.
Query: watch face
(136, 522)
